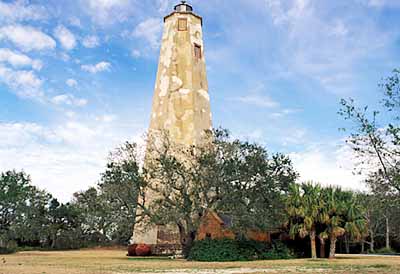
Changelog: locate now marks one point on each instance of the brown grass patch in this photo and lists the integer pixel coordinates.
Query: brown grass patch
(105, 261)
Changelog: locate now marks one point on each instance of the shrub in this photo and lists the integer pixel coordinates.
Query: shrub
(215, 250)
(278, 251)
(143, 250)
(233, 250)
(8, 248)
(132, 250)
(385, 251)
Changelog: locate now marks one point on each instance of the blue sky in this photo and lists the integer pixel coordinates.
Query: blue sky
(77, 78)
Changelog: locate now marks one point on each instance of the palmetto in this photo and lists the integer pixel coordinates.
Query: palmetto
(328, 213)
(303, 207)
(341, 214)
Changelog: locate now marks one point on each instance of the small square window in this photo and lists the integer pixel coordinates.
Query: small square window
(182, 24)
(197, 51)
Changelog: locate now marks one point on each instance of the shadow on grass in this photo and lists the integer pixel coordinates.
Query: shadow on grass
(380, 266)
(349, 258)
(149, 259)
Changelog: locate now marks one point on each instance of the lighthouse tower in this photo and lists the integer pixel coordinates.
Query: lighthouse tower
(181, 103)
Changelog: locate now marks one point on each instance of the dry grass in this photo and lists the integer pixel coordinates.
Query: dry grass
(115, 261)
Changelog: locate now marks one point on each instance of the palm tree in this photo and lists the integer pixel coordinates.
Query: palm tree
(322, 236)
(332, 220)
(341, 214)
(354, 219)
(303, 206)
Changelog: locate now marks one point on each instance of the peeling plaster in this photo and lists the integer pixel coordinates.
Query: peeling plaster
(205, 94)
(181, 99)
(176, 83)
(185, 91)
(164, 86)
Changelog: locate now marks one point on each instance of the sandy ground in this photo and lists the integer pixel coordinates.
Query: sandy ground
(115, 262)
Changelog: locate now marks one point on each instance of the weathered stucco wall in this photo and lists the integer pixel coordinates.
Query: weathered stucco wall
(181, 105)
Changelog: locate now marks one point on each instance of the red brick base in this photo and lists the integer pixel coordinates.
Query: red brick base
(166, 249)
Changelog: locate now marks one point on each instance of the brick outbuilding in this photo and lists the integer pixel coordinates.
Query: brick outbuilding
(219, 226)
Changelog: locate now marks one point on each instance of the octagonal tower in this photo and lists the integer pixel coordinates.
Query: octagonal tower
(181, 103)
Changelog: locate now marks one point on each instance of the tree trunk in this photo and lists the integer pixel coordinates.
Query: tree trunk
(372, 242)
(313, 245)
(387, 233)
(347, 244)
(362, 247)
(322, 248)
(187, 239)
(332, 249)
(53, 240)
(187, 243)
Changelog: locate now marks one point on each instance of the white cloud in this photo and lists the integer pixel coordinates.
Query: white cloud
(23, 134)
(150, 30)
(376, 3)
(107, 118)
(27, 38)
(382, 3)
(329, 54)
(107, 12)
(21, 10)
(24, 83)
(99, 67)
(256, 97)
(70, 114)
(71, 82)
(328, 164)
(62, 159)
(65, 37)
(258, 100)
(75, 21)
(18, 60)
(64, 56)
(68, 99)
(339, 29)
(287, 11)
(164, 6)
(91, 41)
(136, 53)
(284, 112)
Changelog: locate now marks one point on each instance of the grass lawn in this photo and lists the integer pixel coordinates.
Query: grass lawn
(99, 261)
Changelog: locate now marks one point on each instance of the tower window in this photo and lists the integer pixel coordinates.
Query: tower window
(197, 51)
(182, 24)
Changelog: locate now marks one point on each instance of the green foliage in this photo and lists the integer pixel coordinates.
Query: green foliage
(254, 180)
(225, 250)
(278, 251)
(109, 210)
(64, 226)
(99, 216)
(7, 250)
(385, 251)
(374, 136)
(7, 246)
(22, 210)
(303, 207)
(238, 178)
(327, 212)
(119, 187)
(230, 176)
